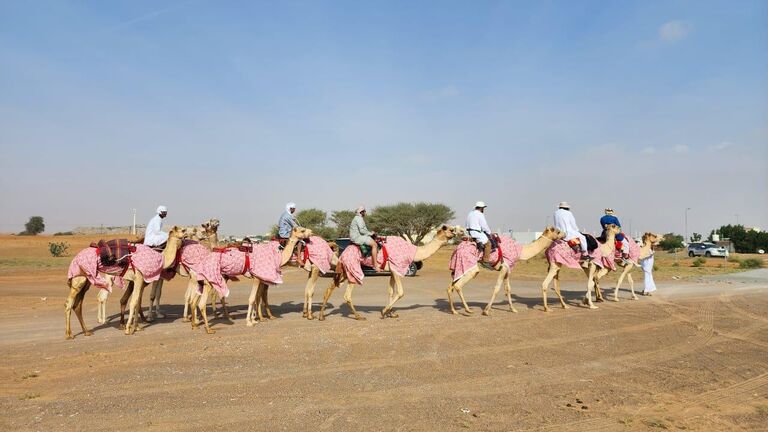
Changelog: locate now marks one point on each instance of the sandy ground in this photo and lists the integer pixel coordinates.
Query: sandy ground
(693, 357)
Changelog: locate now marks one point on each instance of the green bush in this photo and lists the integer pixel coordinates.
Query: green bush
(698, 262)
(751, 263)
(67, 233)
(58, 249)
(734, 259)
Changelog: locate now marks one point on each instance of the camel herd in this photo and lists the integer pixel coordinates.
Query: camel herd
(192, 253)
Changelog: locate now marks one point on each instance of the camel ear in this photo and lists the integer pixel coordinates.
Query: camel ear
(444, 227)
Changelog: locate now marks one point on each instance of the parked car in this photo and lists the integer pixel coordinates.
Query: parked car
(368, 271)
(707, 250)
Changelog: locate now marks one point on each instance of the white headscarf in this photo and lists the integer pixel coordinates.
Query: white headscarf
(289, 206)
(360, 209)
(161, 209)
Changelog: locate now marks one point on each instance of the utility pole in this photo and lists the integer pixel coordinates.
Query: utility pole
(685, 240)
(133, 227)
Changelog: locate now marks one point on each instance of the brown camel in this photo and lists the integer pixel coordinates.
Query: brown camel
(321, 256)
(79, 282)
(635, 255)
(259, 291)
(603, 256)
(504, 267)
(344, 270)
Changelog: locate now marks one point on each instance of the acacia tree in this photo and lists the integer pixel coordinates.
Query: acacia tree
(410, 221)
(342, 219)
(35, 226)
(316, 220)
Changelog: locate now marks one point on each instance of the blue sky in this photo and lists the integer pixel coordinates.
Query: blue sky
(230, 109)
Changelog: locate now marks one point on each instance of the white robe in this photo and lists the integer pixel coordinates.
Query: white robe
(647, 265)
(154, 235)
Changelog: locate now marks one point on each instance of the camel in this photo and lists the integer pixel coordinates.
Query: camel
(208, 236)
(205, 234)
(464, 262)
(262, 264)
(399, 255)
(86, 270)
(560, 254)
(319, 257)
(636, 253)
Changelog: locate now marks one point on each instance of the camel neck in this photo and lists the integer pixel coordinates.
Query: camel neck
(288, 251)
(425, 251)
(169, 253)
(538, 246)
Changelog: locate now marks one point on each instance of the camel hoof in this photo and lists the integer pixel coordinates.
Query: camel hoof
(185, 319)
(321, 318)
(89, 333)
(311, 316)
(615, 299)
(600, 300)
(393, 315)
(68, 337)
(469, 310)
(304, 314)
(250, 323)
(360, 318)
(513, 310)
(593, 307)
(634, 297)
(454, 312)
(210, 331)
(566, 306)
(546, 309)
(486, 312)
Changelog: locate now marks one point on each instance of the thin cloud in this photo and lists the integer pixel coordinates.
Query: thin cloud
(443, 93)
(673, 31)
(680, 148)
(721, 146)
(148, 16)
(649, 150)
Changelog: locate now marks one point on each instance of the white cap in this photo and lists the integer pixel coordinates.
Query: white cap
(480, 204)
(564, 204)
(161, 209)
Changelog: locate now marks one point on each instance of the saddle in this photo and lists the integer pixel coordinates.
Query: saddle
(114, 252)
(575, 243)
(366, 250)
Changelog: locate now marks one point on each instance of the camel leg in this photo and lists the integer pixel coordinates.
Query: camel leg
(387, 311)
(76, 285)
(348, 300)
(154, 300)
(327, 295)
(598, 291)
(508, 291)
(202, 304)
(249, 321)
(101, 312)
(309, 291)
(461, 283)
(78, 307)
(124, 303)
(135, 304)
(225, 308)
(551, 273)
(391, 290)
(259, 300)
(590, 284)
(556, 283)
(631, 284)
(265, 300)
(450, 299)
(191, 291)
(503, 272)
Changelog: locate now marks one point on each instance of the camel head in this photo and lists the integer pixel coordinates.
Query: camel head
(447, 232)
(301, 233)
(653, 238)
(180, 232)
(211, 226)
(553, 233)
(612, 229)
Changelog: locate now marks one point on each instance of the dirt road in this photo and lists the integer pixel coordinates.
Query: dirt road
(695, 358)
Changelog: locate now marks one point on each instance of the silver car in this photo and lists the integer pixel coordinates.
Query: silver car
(707, 250)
